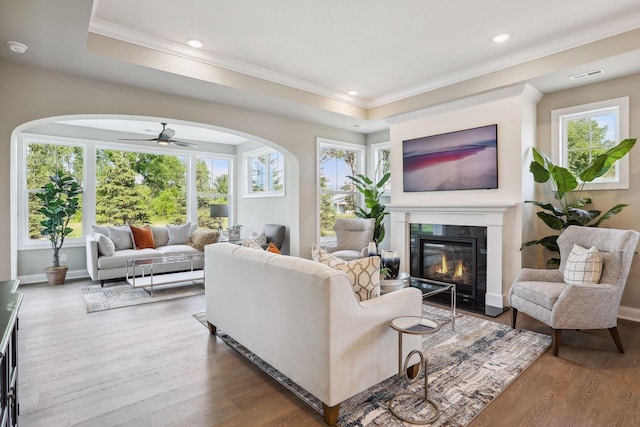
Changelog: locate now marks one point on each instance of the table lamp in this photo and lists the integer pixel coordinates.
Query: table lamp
(219, 211)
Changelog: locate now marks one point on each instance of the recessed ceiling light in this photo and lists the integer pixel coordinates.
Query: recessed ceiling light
(17, 47)
(352, 92)
(501, 38)
(195, 43)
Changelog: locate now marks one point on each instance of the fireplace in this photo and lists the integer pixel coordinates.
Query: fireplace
(451, 254)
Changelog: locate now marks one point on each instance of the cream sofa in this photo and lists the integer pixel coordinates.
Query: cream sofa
(105, 267)
(303, 318)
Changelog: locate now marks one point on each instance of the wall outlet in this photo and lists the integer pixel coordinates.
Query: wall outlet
(63, 257)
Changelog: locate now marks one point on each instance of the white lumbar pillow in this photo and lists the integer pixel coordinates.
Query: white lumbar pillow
(583, 266)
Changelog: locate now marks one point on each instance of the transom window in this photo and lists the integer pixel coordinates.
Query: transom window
(583, 132)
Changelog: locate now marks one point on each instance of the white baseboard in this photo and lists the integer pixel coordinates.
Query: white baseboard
(629, 313)
(42, 278)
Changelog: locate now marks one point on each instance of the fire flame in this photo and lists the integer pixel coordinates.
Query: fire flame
(459, 270)
(443, 267)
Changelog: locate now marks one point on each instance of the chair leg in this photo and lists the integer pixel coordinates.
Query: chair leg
(555, 340)
(514, 315)
(616, 338)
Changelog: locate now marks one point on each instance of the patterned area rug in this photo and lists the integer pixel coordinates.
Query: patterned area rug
(468, 368)
(97, 298)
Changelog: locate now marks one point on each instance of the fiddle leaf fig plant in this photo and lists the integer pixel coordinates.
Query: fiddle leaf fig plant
(60, 202)
(372, 191)
(567, 191)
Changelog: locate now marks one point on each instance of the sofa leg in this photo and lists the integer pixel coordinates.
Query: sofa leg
(330, 413)
(102, 283)
(514, 315)
(555, 340)
(616, 338)
(212, 328)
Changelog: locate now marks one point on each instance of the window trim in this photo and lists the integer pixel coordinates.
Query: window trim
(247, 157)
(558, 152)
(332, 143)
(375, 159)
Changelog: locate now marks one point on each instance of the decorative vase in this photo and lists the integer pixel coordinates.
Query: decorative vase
(391, 260)
(372, 250)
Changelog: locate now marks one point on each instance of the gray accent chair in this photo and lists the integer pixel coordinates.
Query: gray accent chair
(543, 295)
(352, 237)
(275, 234)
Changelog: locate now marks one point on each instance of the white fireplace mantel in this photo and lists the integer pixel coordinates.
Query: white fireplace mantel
(491, 216)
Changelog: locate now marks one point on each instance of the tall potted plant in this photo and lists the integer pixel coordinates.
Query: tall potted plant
(372, 191)
(567, 191)
(59, 200)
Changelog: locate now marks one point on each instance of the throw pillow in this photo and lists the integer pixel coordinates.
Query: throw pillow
(200, 238)
(121, 237)
(105, 244)
(363, 273)
(260, 238)
(102, 229)
(248, 243)
(142, 237)
(273, 248)
(583, 266)
(179, 234)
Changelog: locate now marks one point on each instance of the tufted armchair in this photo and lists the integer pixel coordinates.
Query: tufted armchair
(352, 237)
(544, 295)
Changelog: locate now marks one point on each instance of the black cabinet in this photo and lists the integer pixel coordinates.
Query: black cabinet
(9, 305)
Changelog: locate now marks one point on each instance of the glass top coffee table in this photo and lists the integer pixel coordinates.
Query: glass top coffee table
(144, 271)
(430, 288)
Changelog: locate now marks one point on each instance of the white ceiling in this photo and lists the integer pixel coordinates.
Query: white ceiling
(386, 50)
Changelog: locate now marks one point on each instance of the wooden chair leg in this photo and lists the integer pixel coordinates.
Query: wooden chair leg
(555, 340)
(330, 413)
(212, 328)
(616, 338)
(514, 315)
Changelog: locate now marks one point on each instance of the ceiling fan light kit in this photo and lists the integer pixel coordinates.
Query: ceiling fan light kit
(164, 138)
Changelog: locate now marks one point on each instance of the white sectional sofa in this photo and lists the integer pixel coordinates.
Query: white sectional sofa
(114, 265)
(302, 317)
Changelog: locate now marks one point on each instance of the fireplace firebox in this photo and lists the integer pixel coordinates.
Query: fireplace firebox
(451, 254)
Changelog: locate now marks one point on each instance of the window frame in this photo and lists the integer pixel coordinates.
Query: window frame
(360, 166)
(375, 160)
(560, 118)
(247, 158)
(90, 148)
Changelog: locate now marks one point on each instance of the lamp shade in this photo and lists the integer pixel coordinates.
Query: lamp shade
(219, 211)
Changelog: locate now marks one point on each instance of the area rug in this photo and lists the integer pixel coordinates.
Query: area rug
(468, 368)
(97, 298)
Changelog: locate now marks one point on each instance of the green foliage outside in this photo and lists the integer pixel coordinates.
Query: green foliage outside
(328, 214)
(373, 208)
(586, 165)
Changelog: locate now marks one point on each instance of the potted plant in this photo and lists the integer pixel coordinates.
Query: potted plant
(567, 191)
(59, 199)
(372, 191)
(234, 232)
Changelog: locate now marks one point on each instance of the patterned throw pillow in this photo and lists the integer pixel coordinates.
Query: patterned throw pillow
(583, 266)
(248, 243)
(179, 234)
(142, 237)
(363, 273)
(260, 238)
(121, 237)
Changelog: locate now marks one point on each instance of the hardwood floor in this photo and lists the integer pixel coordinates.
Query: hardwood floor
(154, 365)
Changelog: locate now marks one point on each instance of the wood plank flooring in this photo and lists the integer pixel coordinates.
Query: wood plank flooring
(154, 365)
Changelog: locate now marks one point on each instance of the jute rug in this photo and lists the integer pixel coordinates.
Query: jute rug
(468, 368)
(97, 298)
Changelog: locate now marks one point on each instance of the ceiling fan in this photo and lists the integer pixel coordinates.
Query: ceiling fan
(165, 137)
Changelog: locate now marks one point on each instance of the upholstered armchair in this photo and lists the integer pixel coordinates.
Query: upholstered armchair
(275, 234)
(585, 302)
(352, 237)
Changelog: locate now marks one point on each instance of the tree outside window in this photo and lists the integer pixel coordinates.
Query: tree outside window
(265, 173)
(212, 183)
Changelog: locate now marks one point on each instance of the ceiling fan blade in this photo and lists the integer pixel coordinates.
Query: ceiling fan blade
(183, 143)
(167, 134)
(134, 139)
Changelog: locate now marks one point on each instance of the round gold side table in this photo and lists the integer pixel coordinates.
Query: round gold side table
(414, 325)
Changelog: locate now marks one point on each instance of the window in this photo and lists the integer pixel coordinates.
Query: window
(381, 162)
(43, 159)
(212, 186)
(264, 172)
(336, 161)
(582, 132)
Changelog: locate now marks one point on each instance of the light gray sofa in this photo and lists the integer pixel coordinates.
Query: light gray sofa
(105, 267)
(303, 318)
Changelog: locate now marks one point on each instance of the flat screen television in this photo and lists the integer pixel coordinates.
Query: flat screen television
(461, 160)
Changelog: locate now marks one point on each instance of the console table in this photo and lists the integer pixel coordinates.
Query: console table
(10, 302)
